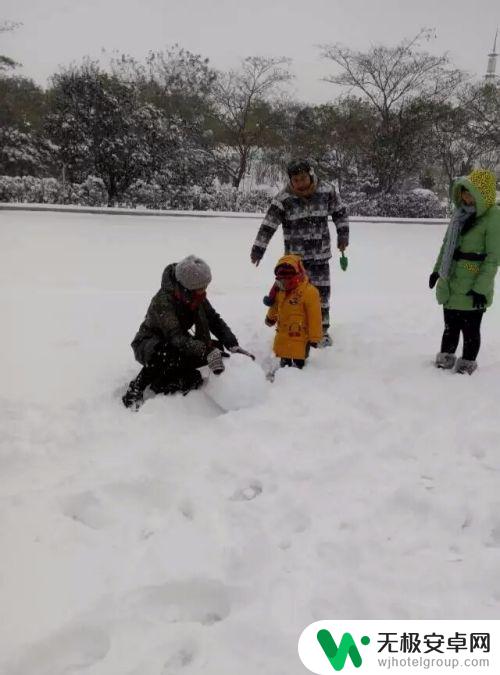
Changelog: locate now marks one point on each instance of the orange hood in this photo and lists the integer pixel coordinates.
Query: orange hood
(294, 261)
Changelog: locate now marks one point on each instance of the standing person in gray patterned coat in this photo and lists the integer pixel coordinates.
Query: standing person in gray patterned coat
(303, 208)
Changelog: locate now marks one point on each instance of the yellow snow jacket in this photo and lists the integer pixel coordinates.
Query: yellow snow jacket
(297, 315)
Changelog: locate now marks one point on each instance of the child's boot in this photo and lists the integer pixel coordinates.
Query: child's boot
(445, 361)
(326, 341)
(465, 366)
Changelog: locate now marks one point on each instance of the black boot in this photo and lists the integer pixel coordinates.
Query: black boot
(134, 396)
(295, 363)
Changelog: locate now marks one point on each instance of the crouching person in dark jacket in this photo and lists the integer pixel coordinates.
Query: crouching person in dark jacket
(169, 353)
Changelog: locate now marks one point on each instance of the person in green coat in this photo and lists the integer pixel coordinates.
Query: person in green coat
(466, 267)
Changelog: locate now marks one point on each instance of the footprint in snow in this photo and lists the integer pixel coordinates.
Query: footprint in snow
(494, 540)
(248, 493)
(187, 509)
(182, 658)
(201, 601)
(86, 509)
(70, 650)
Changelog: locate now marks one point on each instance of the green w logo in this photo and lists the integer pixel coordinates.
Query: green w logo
(347, 647)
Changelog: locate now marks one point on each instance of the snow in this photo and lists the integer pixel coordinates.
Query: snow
(241, 387)
(187, 539)
(424, 192)
(143, 211)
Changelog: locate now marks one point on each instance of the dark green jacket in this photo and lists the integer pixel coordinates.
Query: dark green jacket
(482, 236)
(169, 319)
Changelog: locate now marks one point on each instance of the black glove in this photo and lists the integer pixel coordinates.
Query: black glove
(457, 254)
(269, 299)
(256, 254)
(433, 279)
(478, 300)
(342, 242)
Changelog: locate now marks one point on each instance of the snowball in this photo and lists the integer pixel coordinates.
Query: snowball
(241, 385)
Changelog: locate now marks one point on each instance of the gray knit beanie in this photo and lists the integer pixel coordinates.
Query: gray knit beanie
(193, 273)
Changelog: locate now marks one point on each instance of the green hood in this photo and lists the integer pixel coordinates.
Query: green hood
(482, 186)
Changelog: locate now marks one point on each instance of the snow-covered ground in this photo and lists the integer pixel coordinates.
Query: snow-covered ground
(186, 540)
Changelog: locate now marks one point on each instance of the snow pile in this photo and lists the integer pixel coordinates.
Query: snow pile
(184, 539)
(241, 386)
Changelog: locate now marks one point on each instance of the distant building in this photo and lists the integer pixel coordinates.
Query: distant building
(491, 76)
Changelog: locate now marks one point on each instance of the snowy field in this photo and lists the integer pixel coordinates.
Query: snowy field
(186, 540)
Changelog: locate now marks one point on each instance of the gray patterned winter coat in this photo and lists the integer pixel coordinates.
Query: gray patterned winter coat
(305, 223)
(169, 319)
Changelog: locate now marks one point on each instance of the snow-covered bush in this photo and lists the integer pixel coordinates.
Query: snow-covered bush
(142, 193)
(92, 192)
(227, 198)
(33, 189)
(29, 189)
(254, 201)
(418, 203)
(51, 190)
(360, 204)
(197, 198)
(11, 189)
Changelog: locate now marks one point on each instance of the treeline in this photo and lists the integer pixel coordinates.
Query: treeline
(171, 127)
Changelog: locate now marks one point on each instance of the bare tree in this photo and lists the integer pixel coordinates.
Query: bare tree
(335, 136)
(179, 84)
(245, 116)
(483, 102)
(175, 80)
(391, 77)
(7, 63)
(467, 133)
(398, 82)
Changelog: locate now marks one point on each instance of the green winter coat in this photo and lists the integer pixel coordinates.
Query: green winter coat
(482, 237)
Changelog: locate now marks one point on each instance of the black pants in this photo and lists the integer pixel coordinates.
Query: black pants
(168, 371)
(468, 323)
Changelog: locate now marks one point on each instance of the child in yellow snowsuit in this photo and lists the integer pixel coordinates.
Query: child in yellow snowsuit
(296, 309)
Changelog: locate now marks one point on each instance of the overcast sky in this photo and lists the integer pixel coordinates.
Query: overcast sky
(57, 32)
